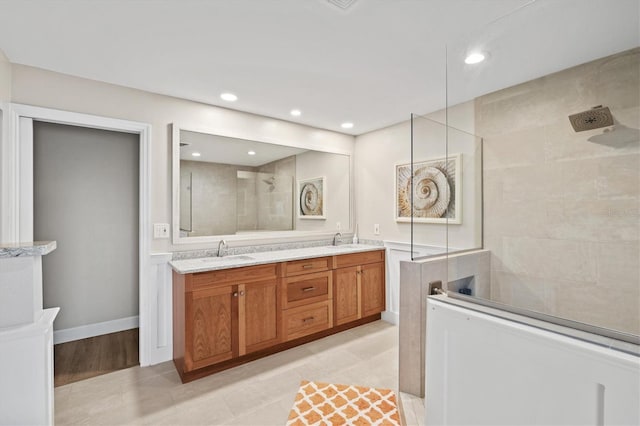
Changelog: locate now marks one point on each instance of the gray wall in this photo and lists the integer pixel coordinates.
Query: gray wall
(86, 198)
(561, 208)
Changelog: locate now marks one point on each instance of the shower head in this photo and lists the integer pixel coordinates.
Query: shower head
(270, 181)
(594, 118)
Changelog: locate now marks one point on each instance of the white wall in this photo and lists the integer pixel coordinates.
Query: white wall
(5, 78)
(39, 87)
(376, 154)
(5, 167)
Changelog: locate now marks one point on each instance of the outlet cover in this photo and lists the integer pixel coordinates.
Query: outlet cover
(160, 230)
(376, 229)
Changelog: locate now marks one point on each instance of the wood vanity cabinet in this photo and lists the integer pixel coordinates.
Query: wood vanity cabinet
(227, 317)
(222, 315)
(359, 286)
(307, 292)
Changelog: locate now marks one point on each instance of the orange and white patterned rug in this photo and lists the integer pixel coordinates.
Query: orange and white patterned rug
(320, 403)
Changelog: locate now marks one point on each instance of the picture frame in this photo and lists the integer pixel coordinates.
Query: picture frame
(436, 191)
(312, 197)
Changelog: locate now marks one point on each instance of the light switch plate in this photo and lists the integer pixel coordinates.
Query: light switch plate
(160, 230)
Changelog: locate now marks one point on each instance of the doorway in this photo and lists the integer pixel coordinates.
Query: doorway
(17, 218)
(86, 192)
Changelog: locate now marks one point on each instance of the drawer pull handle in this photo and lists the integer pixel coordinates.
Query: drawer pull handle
(305, 320)
(307, 266)
(308, 289)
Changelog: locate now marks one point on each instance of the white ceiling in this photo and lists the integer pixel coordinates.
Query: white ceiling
(372, 64)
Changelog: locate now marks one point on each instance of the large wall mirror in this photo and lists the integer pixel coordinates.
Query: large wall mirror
(238, 189)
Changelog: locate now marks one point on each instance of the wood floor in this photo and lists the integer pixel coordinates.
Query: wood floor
(82, 359)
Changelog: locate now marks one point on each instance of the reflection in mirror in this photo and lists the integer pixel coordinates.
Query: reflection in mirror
(230, 186)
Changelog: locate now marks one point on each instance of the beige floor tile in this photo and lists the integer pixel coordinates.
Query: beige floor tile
(257, 393)
(413, 409)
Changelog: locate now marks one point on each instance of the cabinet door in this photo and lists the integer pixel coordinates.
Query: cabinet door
(373, 297)
(211, 323)
(260, 315)
(345, 295)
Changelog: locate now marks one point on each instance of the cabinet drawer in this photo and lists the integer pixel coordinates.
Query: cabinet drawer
(305, 289)
(355, 259)
(308, 319)
(305, 266)
(235, 275)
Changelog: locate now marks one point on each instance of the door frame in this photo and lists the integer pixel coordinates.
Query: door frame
(17, 189)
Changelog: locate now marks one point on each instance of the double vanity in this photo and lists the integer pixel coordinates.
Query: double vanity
(234, 309)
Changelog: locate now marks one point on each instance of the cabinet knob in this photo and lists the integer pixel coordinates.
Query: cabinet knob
(242, 293)
(235, 294)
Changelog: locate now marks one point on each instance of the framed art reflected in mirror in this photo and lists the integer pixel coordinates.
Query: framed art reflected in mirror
(312, 198)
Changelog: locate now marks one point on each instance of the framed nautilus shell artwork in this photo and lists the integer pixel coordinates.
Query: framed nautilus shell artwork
(434, 196)
(311, 198)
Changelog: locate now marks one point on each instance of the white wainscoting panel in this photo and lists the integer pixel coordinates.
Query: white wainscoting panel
(396, 252)
(485, 370)
(158, 340)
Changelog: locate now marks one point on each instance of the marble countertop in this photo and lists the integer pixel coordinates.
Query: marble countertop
(35, 248)
(187, 266)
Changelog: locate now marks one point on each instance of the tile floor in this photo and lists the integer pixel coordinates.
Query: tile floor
(257, 393)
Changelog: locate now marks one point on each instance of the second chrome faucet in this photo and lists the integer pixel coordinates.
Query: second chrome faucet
(222, 248)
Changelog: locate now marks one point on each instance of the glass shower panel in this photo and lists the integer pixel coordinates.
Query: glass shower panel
(446, 190)
(186, 202)
(424, 188)
(560, 184)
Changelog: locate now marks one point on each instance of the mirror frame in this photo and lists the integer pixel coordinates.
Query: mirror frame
(262, 236)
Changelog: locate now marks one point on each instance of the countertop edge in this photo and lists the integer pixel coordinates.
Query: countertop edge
(36, 248)
(184, 266)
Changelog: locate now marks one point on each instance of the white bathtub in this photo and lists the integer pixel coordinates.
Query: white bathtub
(493, 369)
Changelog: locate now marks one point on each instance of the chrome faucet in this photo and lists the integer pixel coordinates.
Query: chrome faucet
(335, 238)
(222, 246)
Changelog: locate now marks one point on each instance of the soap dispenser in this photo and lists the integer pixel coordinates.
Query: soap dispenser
(355, 236)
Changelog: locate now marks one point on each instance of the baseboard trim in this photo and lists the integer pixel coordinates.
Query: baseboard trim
(96, 329)
(391, 317)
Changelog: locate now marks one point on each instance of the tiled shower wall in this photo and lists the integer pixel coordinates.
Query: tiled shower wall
(561, 208)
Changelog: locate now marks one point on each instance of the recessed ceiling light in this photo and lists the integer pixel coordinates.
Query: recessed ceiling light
(346, 125)
(296, 112)
(474, 58)
(195, 154)
(229, 97)
(251, 153)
